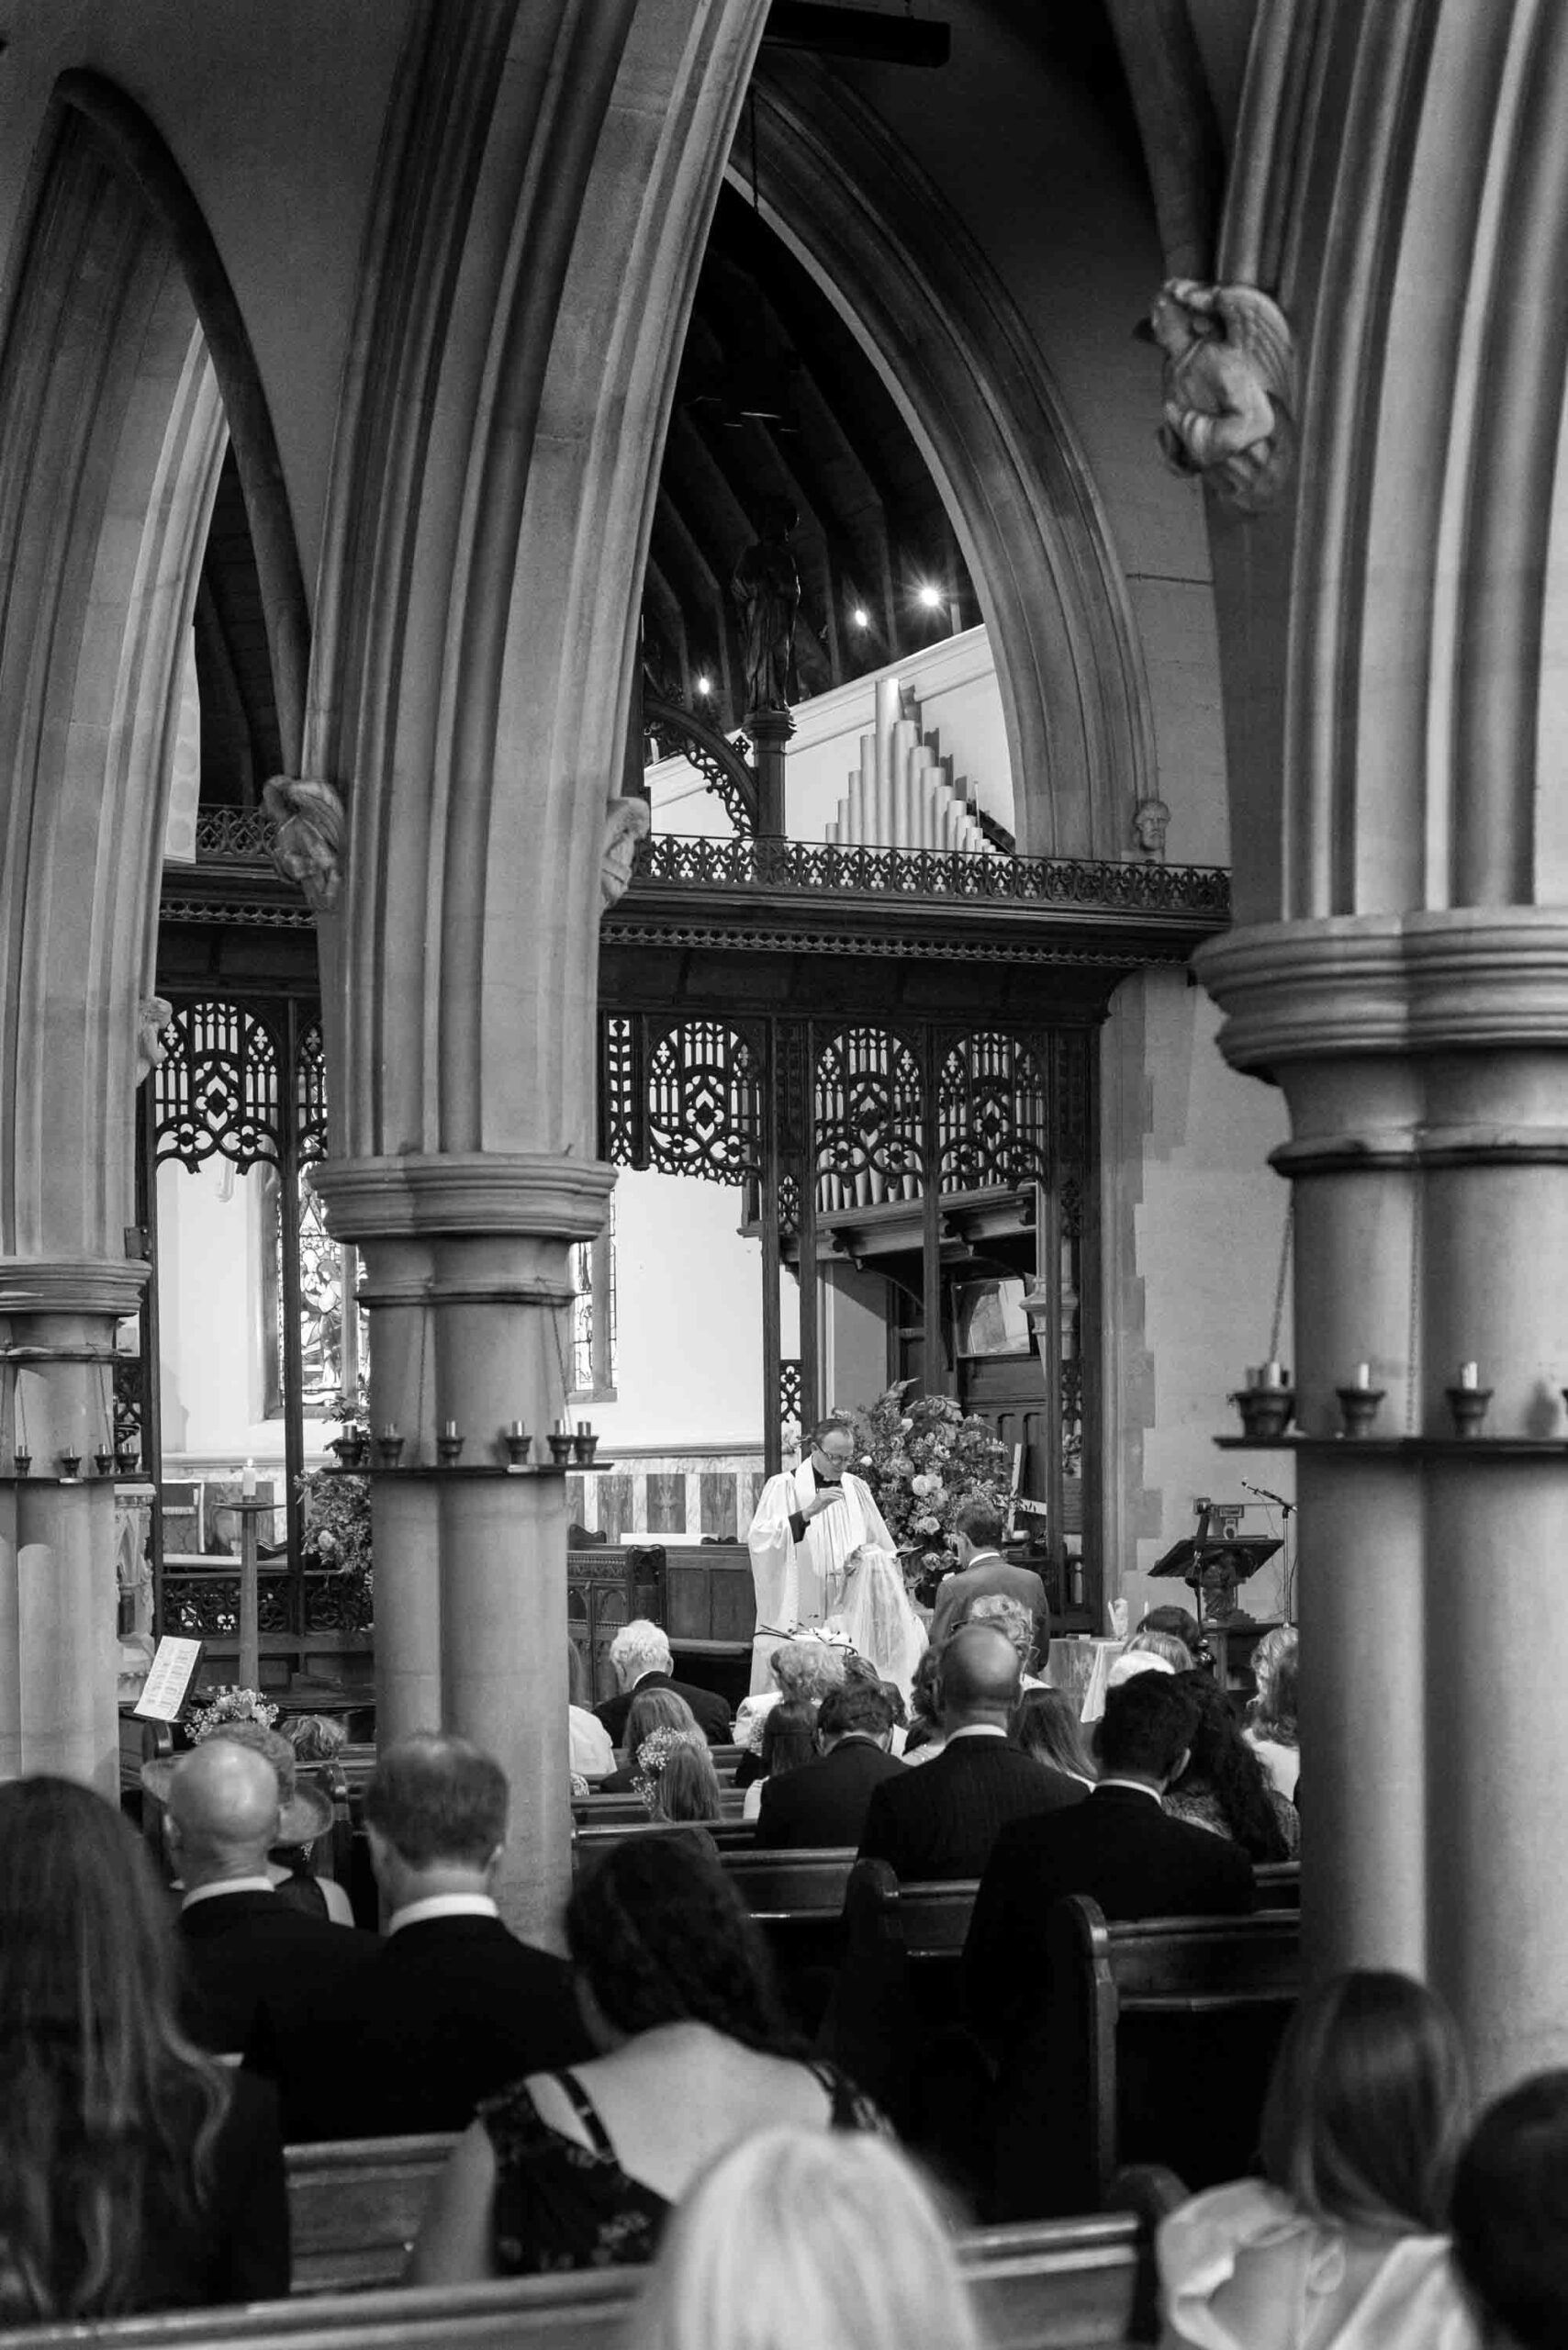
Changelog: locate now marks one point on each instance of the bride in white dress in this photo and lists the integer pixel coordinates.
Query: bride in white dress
(877, 1617)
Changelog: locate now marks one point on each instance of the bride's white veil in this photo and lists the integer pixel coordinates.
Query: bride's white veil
(877, 1619)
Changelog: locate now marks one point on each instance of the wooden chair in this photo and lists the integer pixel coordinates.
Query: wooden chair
(1074, 2286)
(354, 2209)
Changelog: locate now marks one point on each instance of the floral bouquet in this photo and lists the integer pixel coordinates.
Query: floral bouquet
(231, 1705)
(337, 1539)
(925, 1461)
(654, 1752)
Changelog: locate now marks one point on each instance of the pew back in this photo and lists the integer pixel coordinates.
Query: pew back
(354, 2209)
(1230, 1983)
(1059, 2287)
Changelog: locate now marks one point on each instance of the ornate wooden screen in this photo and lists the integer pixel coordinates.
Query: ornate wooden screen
(823, 1118)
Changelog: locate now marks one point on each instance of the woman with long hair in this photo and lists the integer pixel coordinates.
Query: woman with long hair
(1271, 1716)
(788, 1738)
(650, 1709)
(678, 1780)
(1340, 2246)
(1047, 1727)
(135, 2172)
(1225, 1787)
(796, 2237)
(581, 2168)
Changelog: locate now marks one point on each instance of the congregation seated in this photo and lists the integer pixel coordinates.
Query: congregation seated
(579, 2166)
(451, 2005)
(1169, 1651)
(591, 1750)
(824, 1802)
(651, 1709)
(1180, 1624)
(307, 1812)
(1113, 1843)
(788, 1739)
(1047, 1727)
(1271, 1724)
(678, 1782)
(1225, 1787)
(246, 1947)
(136, 2173)
(982, 1572)
(804, 1672)
(1012, 1617)
(641, 1654)
(803, 2237)
(924, 1737)
(941, 1821)
(1510, 2217)
(1341, 2242)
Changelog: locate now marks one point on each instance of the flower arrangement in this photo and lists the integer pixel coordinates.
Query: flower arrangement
(337, 1539)
(925, 1461)
(654, 1752)
(230, 1705)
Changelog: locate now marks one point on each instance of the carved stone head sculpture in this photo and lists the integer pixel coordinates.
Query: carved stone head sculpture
(309, 846)
(627, 822)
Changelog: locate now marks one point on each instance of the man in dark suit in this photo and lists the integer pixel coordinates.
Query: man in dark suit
(984, 1573)
(454, 2006)
(942, 1820)
(1118, 1847)
(241, 1945)
(824, 1803)
(641, 1655)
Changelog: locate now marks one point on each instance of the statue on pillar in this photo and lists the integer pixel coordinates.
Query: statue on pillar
(765, 589)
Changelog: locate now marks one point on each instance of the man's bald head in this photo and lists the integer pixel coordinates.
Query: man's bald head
(976, 1676)
(223, 1811)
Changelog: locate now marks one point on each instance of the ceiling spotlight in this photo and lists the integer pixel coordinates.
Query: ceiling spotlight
(704, 685)
(931, 597)
(859, 616)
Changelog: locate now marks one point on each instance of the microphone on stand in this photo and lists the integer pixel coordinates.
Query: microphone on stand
(1265, 1495)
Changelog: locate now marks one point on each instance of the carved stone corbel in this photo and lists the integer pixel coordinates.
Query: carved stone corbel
(308, 845)
(626, 822)
(152, 1016)
(1229, 389)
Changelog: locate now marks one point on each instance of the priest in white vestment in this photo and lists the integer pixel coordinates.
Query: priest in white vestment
(808, 1522)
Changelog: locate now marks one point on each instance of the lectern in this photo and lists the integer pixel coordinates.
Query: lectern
(1214, 1560)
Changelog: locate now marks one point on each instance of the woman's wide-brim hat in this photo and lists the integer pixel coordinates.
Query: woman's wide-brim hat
(306, 1808)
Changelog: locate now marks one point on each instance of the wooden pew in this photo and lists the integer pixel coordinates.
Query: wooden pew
(1080, 2284)
(1228, 1984)
(594, 1837)
(897, 1987)
(1277, 1883)
(354, 2209)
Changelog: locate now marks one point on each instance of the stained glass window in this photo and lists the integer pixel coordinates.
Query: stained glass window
(593, 1315)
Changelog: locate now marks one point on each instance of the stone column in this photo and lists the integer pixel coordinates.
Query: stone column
(1424, 1061)
(467, 1281)
(58, 1591)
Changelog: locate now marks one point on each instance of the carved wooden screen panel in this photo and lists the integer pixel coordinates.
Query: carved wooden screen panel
(992, 1112)
(869, 1120)
(215, 1094)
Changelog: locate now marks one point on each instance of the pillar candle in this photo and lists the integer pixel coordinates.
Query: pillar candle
(1469, 1374)
(1363, 1374)
(449, 1427)
(248, 1482)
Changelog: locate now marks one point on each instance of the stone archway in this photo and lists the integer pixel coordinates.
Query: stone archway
(856, 211)
(112, 431)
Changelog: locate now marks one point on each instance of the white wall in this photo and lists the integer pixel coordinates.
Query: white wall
(1207, 1218)
(209, 1299)
(689, 1343)
(961, 718)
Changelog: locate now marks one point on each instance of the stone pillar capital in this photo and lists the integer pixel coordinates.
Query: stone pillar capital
(75, 1285)
(1467, 979)
(479, 1196)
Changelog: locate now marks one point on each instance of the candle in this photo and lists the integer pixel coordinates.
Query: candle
(248, 1482)
(1271, 1375)
(449, 1427)
(516, 1427)
(1363, 1374)
(584, 1428)
(389, 1433)
(1469, 1374)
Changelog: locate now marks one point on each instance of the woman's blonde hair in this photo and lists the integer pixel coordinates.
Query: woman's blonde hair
(807, 1670)
(827, 2237)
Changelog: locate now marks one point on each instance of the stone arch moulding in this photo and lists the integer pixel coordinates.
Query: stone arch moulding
(127, 135)
(902, 272)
